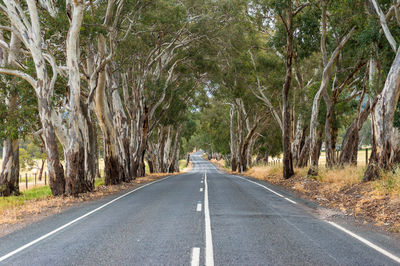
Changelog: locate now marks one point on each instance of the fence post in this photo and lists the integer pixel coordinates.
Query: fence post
(26, 180)
(35, 179)
(45, 177)
(366, 156)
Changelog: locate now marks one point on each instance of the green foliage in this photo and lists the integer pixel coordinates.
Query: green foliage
(18, 108)
(212, 132)
(30, 154)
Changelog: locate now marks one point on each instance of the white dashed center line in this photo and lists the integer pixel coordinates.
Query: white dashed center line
(195, 257)
(209, 244)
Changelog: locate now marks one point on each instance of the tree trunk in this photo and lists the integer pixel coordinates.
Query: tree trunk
(112, 169)
(161, 149)
(175, 151)
(304, 154)
(266, 158)
(41, 170)
(141, 167)
(316, 152)
(9, 175)
(9, 172)
(167, 151)
(232, 140)
(122, 127)
(77, 127)
(298, 136)
(240, 157)
(330, 144)
(350, 140)
(187, 159)
(250, 151)
(288, 170)
(177, 157)
(54, 166)
(385, 140)
(96, 150)
(245, 148)
(151, 167)
(111, 165)
(326, 75)
(90, 149)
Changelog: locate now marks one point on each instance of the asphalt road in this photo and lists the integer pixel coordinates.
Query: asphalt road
(200, 217)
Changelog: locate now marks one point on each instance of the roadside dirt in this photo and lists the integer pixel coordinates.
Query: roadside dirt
(12, 219)
(361, 200)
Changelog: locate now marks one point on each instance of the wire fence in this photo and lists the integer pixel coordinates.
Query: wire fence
(362, 158)
(32, 180)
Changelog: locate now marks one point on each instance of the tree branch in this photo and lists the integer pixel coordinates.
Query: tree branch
(19, 74)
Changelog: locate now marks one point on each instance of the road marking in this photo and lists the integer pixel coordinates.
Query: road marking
(198, 207)
(267, 188)
(292, 201)
(201, 189)
(202, 181)
(207, 221)
(195, 257)
(6, 256)
(366, 242)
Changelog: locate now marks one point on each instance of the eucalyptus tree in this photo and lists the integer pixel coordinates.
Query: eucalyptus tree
(17, 121)
(385, 137)
(326, 76)
(9, 174)
(24, 22)
(278, 19)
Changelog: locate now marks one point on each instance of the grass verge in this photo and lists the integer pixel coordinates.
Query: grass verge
(30, 194)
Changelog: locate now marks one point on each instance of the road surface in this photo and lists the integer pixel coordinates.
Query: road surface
(203, 217)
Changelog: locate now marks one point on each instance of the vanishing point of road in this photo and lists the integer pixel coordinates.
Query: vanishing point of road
(202, 217)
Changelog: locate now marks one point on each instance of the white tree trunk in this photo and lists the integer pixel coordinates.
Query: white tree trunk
(385, 150)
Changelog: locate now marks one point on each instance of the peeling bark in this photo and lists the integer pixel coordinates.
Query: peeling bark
(232, 140)
(175, 152)
(9, 175)
(326, 75)
(385, 142)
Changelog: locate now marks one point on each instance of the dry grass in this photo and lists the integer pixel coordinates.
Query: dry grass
(336, 178)
(390, 183)
(221, 163)
(348, 175)
(361, 160)
(265, 172)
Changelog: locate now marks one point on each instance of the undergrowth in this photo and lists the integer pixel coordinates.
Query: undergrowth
(390, 182)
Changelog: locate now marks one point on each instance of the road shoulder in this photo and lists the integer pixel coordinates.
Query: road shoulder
(33, 211)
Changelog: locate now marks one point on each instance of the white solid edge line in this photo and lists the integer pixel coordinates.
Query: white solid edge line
(195, 257)
(207, 221)
(267, 188)
(292, 201)
(198, 207)
(361, 239)
(6, 256)
(366, 242)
